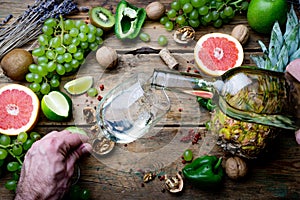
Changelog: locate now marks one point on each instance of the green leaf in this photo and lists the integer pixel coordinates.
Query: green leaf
(292, 40)
(283, 59)
(263, 47)
(268, 64)
(292, 20)
(258, 60)
(295, 55)
(276, 42)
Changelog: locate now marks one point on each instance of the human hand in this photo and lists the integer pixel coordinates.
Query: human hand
(49, 165)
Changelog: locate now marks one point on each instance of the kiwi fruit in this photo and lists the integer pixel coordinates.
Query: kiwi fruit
(15, 64)
(102, 18)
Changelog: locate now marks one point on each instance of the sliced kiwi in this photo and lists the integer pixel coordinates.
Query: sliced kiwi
(102, 18)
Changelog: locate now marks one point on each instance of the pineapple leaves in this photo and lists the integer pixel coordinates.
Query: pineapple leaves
(283, 48)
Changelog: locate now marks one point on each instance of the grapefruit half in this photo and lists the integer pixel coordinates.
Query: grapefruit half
(19, 108)
(215, 53)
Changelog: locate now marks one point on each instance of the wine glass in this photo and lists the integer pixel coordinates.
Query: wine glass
(130, 109)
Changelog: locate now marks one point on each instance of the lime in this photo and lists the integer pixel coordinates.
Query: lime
(74, 129)
(56, 106)
(262, 14)
(79, 85)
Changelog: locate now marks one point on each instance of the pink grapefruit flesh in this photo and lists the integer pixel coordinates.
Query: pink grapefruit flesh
(215, 53)
(19, 109)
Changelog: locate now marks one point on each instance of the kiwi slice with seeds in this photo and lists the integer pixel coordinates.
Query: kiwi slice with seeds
(102, 18)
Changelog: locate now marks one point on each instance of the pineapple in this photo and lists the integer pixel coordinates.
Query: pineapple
(240, 138)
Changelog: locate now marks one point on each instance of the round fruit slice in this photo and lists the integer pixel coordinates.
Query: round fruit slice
(19, 109)
(56, 106)
(215, 53)
(79, 85)
(102, 18)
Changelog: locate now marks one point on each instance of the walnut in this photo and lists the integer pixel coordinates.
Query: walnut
(236, 167)
(241, 33)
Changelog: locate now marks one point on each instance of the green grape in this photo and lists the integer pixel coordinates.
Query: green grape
(180, 20)
(182, 2)
(176, 5)
(84, 28)
(82, 37)
(78, 23)
(11, 185)
(33, 68)
(42, 59)
(43, 40)
(76, 41)
(222, 15)
(78, 55)
(74, 32)
(15, 176)
(51, 66)
(69, 24)
(219, 5)
(99, 32)
(42, 71)
(228, 11)
(214, 15)
(213, 4)
(72, 48)
(29, 77)
(92, 92)
(75, 63)
(198, 3)
(45, 88)
(164, 20)
(12, 166)
(67, 39)
(40, 51)
(60, 69)
(60, 50)
(171, 13)
(17, 150)
(50, 55)
(47, 30)
(68, 67)
(244, 5)
(99, 40)
(208, 17)
(5, 140)
(3, 154)
(67, 57)
(84, 45)
(91, 37)
(194, 14)
(187, 8)
(169, 26)
(51, 22)
(162, 40)
(218, 23)
(55, 42)
(54, 83)
(35, 135)
(37, 78)
(35, 87)
(203, 10)
(145, 37)
(188, 155)
(92, 29)
(194, 23)
(60, 59)
(22, 137)
(93, 46)
(85, 194)
(28, 144)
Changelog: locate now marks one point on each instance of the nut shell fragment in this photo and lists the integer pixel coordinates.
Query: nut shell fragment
(236, 167)
(241, 33)
(184, 35)
(174, 184)
(103, 145)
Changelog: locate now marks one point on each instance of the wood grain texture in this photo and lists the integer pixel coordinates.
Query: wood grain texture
(119, 174)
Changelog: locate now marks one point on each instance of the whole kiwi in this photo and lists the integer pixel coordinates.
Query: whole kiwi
(15, 64)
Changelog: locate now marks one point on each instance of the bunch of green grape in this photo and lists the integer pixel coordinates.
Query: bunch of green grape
(63, 46)
(12, 151)
(202, 12)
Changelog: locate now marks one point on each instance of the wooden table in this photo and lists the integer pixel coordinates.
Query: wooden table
(119, 175)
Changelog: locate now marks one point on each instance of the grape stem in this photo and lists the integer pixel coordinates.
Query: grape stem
(16, 157)
(235, 3)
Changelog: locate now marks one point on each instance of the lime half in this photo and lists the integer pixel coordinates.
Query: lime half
(56, 106)
(74, 129)
(79, 86)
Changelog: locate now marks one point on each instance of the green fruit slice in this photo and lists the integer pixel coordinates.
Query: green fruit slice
(56, 106)
(102, 18)
(74, 129)
(79, 85)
